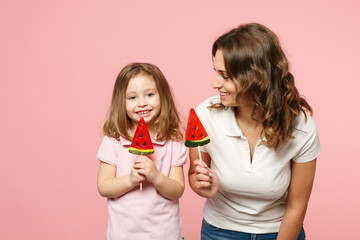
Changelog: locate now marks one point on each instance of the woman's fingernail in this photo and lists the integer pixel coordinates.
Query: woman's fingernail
(210, 174)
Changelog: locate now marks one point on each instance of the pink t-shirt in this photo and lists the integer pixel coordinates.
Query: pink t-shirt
(143, 214)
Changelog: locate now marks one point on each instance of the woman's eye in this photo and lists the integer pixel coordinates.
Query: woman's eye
(224, 76)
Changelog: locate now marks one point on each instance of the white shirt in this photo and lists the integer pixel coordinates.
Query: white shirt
(252, 196)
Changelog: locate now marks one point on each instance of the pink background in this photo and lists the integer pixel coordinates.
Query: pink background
(58, 64)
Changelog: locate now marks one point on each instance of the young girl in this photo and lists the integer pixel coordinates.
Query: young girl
(264, 142)
(141, 91)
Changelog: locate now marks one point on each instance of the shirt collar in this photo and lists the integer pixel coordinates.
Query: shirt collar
(231, 128)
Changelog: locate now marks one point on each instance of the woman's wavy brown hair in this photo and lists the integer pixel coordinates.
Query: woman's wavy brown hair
(167, 122)
(253, 57)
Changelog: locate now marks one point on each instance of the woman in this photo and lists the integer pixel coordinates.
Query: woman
(264, 142)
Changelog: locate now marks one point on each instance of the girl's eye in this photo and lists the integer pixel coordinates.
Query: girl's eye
(150, 94)
(131, 97)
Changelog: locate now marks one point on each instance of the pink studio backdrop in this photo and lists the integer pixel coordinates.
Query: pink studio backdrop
(58, 64)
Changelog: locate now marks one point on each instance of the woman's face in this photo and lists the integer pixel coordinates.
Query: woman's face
(227, 88)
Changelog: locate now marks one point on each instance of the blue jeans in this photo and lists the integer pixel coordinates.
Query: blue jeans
(210, 232)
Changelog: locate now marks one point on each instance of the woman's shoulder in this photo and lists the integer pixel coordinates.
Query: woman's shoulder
(208, 102)
(305, 122)
(306, 138)
(212, 116)
(204, 108)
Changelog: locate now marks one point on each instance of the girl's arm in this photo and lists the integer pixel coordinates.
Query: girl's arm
(170, 187)
(302, 178)
(110, 186)
(202, 179)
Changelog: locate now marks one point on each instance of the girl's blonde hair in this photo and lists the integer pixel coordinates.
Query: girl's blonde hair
(167, 123)
(253, 57)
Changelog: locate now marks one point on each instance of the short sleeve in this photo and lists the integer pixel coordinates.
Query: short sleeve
(307, 137)
(180, 154)
(108, 150)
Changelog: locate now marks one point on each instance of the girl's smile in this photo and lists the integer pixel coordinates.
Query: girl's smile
(144, 114)
(142, 99)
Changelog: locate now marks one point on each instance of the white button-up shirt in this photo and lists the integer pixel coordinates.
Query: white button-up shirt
(253, 194)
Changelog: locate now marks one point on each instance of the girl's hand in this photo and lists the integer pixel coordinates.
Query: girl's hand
(146, 167)
(135, 177)
(206, 179)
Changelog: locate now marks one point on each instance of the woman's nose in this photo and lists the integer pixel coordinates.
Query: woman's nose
(216, 83)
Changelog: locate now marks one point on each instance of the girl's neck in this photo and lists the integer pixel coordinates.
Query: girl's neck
(152, 132)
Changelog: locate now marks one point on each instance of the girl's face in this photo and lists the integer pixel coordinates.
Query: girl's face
(226, 87)
(142, 99)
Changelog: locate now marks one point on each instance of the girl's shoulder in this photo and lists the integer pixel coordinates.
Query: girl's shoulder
(174, 142)
(113, 142)
(108, 150)
(176, 149)
(109, 140)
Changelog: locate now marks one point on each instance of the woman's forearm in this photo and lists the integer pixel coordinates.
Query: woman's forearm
(291, 224)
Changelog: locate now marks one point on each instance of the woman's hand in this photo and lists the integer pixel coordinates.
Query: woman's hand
(206, 180)
(146, 168)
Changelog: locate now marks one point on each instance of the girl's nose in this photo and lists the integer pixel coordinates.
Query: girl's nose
(142, 102)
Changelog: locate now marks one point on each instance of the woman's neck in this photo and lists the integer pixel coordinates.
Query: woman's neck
(251, 127)
(244, 116)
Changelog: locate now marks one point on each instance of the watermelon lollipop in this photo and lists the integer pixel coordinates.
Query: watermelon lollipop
(141, 143)
(196, 135)
(195, 132)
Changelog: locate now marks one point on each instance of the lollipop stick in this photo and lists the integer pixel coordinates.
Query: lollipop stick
(141, 182)
(198, 148)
